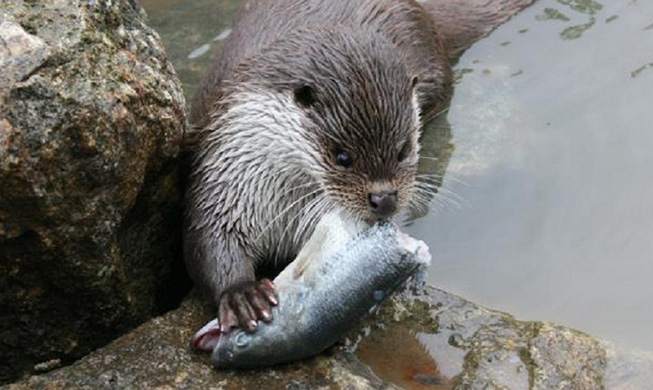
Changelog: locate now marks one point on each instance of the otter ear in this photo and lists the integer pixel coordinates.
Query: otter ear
(304, 95)
(414, 81)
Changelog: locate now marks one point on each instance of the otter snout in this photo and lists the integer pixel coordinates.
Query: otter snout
(383, 204)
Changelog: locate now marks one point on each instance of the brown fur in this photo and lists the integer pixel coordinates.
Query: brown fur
(296, 83)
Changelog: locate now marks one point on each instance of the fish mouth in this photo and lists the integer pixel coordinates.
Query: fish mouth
(372, 221)
(418, 247)
(206, 339)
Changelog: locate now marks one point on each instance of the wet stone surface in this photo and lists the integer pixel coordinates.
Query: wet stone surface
(91, 119)
(433, 340)
(466, 346)
(157, 355)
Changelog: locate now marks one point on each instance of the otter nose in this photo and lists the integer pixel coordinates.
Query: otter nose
(383, 204)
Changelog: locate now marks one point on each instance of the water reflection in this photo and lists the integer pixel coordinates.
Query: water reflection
(553, 142)
(576, 8)
(191, 30)
(401, 357)
(437, 148)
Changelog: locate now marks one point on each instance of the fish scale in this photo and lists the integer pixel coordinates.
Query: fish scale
(341, 274)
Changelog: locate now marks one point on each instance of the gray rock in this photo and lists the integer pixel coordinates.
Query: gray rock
(471, 347)
(157, 356)
(430, 340)
(91, 119)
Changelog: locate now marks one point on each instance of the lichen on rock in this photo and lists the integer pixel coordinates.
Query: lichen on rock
(91, 120)
(446, 343)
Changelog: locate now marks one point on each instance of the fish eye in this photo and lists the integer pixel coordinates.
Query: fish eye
(343, 159)
(242, 340)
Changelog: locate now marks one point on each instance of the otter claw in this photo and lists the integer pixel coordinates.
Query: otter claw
(245, 304)
(226, 315)
(260, 305)
(266, 287)
(244, 311)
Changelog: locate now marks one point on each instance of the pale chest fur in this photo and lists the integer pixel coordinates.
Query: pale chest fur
(257, 176)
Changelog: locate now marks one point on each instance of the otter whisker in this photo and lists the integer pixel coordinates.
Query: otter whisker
(442, 191)
(311, 213)
(444, 194)
(435, 115)
(415, 204)
(448, 175)
(433, 184)
(422, 195)
(429, 198)
(438, 186)
(310, 218)
(448, 201)
(430, 126)
(301, 212)
(291, 189)
(308, 210)
(286, 210)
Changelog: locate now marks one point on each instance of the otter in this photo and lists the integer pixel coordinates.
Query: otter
(311, 106)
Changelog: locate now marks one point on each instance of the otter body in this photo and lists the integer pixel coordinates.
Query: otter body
(261, 24)
(308, 107)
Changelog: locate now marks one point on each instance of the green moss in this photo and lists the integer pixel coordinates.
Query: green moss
(526, 357)
(552, 14)
(589, 7)
(575, 32)
(635, 73)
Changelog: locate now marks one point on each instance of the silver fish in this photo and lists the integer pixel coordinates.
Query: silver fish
(343, 272)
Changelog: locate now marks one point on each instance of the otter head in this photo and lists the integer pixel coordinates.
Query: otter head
(361, 110)
(358, 112)
(367, 131)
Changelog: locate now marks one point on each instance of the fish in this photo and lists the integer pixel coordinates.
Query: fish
(343, 272)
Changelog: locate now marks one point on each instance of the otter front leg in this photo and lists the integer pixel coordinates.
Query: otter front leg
(232, 302)
(245, 303)
(240, 299)
(224, 270)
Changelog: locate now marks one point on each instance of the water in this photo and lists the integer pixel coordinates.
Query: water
(553, 140)
(551, 123)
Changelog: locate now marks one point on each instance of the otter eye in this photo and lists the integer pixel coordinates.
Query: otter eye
(305, 96)
(404, 152)
(343, 159)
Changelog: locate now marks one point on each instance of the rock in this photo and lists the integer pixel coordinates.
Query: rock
(471, 347)
(91, 119)
(430, 340)
(157, 356)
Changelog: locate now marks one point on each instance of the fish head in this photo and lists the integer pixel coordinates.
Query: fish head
(234, 349)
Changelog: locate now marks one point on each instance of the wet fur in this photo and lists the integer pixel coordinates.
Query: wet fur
(266, 169)
(296, 82)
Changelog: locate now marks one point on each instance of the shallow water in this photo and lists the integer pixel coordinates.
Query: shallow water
(550, 214)
(553, 135)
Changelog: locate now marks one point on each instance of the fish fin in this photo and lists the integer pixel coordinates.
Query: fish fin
(301, 266)
(313, 246)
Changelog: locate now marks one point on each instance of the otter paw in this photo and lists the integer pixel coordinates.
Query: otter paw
(246, 303)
